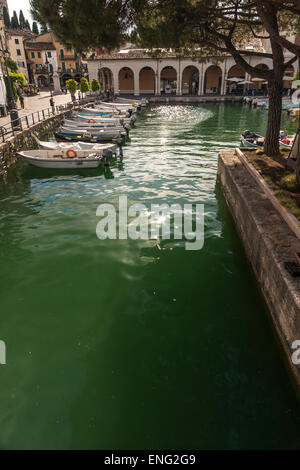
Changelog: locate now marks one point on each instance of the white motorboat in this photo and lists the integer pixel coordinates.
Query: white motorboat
(97, 124)
(142, 102)
(117, 107)
(93, 118)
(44, 145)
(66, 159)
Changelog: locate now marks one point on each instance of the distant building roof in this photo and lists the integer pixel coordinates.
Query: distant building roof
(19, 32)
(40, 46)
(129, 51)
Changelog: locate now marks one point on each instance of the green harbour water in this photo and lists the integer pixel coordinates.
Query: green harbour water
(123, 344)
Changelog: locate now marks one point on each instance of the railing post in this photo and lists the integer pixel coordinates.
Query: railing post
(39, 116)
(43, 114)
(32, 118)
(27, 122)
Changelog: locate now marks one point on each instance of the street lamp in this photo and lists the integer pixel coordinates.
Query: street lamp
(14, 115)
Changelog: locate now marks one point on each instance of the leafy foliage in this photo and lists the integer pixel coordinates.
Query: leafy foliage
(16, 78)
(71, 86)
(84, 85)
(6, 18)
(35, 28)
(106, 22)
(14, 21)
(12, 64)
(21, 20)
(95, 85)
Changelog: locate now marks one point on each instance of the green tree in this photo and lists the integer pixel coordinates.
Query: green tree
(95, 85)
(27, 25)
(12, 64)
(14, 21)
(15, 78)
(35, 28)
(6, 18)
(84, 85)
(71, 86)
(21, 20)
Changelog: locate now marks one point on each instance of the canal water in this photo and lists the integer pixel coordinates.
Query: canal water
(125, 344)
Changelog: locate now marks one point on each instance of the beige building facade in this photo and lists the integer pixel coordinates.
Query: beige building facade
(134, 72)
(15, 43)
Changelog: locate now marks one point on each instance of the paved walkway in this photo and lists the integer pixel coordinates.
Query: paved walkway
(37, 103)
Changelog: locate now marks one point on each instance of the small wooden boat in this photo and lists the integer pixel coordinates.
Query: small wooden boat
(95, 125)
(67, 159)
(75, 146)
(93, 118)
(106, 132)
(287, 142)
(119, 107)
(251, 139)
(77, 135)
(122, 110)
(142, 102)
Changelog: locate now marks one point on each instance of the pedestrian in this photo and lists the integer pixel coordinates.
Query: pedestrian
(21, 101)
(52, 105)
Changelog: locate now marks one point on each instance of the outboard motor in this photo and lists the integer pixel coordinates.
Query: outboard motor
(129, 112)
(119, 141)
(139, 107)
(127, 129)
(107, 155)
(133, 119)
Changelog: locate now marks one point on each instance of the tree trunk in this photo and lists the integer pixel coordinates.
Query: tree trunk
(271, 145)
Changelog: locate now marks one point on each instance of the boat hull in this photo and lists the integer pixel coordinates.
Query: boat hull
(69, 163)
(79, 138)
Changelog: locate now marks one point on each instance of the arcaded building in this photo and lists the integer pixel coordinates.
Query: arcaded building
(136, 72)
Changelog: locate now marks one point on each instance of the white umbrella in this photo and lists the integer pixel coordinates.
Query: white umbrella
(256, 79)
(286, 77)
(244, 82)
(234, 79)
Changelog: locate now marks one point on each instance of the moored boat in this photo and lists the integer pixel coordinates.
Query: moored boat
(44, 145)
(251, 139)
(66, 159)
(93, 118)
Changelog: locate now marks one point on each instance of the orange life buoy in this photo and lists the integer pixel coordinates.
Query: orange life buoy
(71, 153)
(91, 120)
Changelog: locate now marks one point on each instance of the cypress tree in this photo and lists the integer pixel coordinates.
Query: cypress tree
(35, 28)
(27, 25)
(6, 18)
(22, 20)
(14, 21)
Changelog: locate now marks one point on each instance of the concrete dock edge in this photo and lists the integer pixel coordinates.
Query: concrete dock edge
(269, 242)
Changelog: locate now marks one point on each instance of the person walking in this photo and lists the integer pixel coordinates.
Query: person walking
(52, 105)
(21, 97)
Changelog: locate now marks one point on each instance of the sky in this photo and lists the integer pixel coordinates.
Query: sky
(20, 5)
